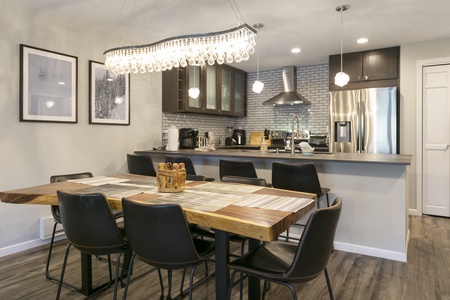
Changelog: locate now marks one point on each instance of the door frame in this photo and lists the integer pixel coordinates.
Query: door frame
(419, 121)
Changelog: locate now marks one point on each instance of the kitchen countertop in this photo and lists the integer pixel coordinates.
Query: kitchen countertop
(251, 152)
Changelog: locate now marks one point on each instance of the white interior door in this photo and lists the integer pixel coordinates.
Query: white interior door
(436, 139)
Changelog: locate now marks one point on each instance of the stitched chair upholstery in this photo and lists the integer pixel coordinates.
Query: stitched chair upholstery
(91, 228)
(286, 263)
(159, 235)
(57, 220)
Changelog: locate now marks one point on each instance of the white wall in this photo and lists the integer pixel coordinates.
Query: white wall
(30, 151)
(409, 55)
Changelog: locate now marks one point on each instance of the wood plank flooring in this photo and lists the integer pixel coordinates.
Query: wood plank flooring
(353, 276)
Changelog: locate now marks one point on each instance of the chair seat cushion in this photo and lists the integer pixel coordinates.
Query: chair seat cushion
(268, 260)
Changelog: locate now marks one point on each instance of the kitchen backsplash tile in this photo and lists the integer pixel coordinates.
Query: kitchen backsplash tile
(312, 83)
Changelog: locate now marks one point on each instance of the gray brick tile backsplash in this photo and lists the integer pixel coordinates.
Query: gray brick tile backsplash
(312, 82)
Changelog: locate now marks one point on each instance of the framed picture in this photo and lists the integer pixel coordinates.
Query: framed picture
(109, 96)
(48, 86)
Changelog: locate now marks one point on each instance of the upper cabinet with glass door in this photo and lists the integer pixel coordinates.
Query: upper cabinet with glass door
(222, 90)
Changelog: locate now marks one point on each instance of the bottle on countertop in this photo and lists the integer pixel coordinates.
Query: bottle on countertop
(264, 146)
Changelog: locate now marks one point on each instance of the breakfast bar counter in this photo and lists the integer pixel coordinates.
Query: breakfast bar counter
(373, 188)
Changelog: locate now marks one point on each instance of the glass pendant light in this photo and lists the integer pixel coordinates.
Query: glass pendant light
(341, 78)
(257, 85)
(194, 92)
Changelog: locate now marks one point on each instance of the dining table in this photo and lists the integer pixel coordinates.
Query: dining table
(259, 213)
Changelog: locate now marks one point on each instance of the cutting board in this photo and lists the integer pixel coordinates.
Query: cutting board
(256, 138)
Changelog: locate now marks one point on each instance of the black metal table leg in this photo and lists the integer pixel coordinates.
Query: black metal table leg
(253, 283)
(222, 259)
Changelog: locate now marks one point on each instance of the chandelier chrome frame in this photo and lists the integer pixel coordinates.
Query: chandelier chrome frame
(236, 44)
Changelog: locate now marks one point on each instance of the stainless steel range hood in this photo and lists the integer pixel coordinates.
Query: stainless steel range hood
(290, 95)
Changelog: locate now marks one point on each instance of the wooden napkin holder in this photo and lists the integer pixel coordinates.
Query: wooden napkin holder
(171, 177)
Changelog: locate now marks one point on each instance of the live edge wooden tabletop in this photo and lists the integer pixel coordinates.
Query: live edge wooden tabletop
(257, 212)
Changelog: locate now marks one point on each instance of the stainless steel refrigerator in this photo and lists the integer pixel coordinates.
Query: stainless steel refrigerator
(364, 121)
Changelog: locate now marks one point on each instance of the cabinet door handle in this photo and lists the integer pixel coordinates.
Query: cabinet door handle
(365, 77)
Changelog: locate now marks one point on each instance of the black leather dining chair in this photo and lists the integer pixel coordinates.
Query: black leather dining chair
(57, 220)
(287, 263)
(242, 168)
(140, 165)
(91, 228)
(300, 177)
(159, 235)
(191, 174)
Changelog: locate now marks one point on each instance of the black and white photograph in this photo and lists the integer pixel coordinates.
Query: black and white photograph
(48, 86)
(109, 96)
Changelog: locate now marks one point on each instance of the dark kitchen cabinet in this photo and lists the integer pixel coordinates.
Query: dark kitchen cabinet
(373, 68)
(222, 90)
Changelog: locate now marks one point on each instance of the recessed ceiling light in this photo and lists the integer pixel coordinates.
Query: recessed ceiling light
(362, 40)
(296, 50)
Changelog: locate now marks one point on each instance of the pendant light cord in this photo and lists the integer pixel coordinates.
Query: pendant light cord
(342, 43)
(257, 55)
(234, 11)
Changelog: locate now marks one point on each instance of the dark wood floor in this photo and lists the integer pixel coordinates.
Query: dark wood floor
(353, 276)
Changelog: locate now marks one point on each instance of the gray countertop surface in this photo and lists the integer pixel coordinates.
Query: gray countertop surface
(248, 152)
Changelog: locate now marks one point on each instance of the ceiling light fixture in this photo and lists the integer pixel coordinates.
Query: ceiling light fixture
(341, 78)
(362, 40)
(296, 50)
(233, 45)
(258, 86)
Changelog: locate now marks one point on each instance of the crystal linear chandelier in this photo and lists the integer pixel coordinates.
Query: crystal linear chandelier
(233, 45)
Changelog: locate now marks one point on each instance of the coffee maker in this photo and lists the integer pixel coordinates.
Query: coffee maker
(239, 136)
(188, 138)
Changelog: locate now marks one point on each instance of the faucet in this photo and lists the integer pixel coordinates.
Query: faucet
(294, 118)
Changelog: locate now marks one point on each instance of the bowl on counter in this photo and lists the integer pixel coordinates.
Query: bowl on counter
(308, 151)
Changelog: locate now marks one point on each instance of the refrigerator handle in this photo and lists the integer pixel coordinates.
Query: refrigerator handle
(360, 129)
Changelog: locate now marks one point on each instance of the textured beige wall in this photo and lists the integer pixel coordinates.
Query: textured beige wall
(31, 152)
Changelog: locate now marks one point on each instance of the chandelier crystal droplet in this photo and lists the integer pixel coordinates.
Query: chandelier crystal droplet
(234, 45)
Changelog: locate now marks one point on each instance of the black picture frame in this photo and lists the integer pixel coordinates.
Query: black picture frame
(48, 86)
(109, 96)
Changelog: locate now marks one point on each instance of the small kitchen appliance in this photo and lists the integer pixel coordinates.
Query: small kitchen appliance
(188, 138)
(239, 136)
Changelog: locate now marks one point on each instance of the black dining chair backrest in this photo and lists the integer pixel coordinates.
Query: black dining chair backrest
(316, 244)
(90, 227)
(242, 168)
(140, 165)
(62, 178)
(300, 177)
(159, 234)
(89, 223)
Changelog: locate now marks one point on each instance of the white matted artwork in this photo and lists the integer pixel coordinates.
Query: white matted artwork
(109, 96)
(48, 86)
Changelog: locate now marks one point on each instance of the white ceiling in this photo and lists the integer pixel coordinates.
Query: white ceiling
(312, 25)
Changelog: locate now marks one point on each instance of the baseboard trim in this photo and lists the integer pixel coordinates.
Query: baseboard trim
(387, 254)
(16, 248)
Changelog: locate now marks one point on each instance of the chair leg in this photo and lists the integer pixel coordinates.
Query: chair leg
(330, 291)
(191, 282)
(265, 288)
(116, 277)
(328, 200)
(169, 288)
(128, 278)
(63, 270)
(47, 273)
(231, 284)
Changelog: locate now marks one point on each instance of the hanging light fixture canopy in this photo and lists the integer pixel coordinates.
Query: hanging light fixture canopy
(233, 45)
(341, 77)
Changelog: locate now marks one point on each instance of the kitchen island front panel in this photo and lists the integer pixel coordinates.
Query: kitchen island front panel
(373, 187)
